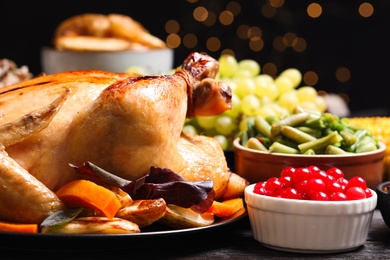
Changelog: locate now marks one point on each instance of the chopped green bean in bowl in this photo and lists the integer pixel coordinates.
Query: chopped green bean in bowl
(265, 148)
(308, 133)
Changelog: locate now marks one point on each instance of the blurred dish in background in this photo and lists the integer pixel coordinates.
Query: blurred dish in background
(152, 61)
(112, 42)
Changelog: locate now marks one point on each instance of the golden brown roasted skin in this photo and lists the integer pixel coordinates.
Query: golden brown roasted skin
(122, 123)
(204, 160)
(44, 154)
(23, 199)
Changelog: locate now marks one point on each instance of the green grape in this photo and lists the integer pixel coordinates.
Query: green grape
(225, 125)
(206, 122)
(251, 66)
(255, 94)
(309, 106)
(231, 83)
(306, 93)
(236, 107)
(263, 80)
(266, 111)
(320, 103)
(294, 75)
(210, 132)
(240, 74)
(272, 91)
(245, 86)
(289, 100)
(284, 84)
(265, 101)
(223, 141)
(188, 120)
(227, 66)
(279, 111)
(190, 129)
(136, 69)
(243, 125)
(192, 121)
(250, 105)
(264, 89)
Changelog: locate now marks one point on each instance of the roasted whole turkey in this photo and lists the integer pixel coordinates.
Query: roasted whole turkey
(121, 122)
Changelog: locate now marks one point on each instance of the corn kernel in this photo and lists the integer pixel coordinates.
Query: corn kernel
(380, 128)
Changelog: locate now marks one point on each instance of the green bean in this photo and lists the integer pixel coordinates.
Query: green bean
(337, 126)
(251, 126)
(244, 138)
(316, 121)
(272, 119)
(264, 140)
(366, 144)
(277, 147)
(262, 126)
(346, 122)
(311, 131)
(349, 130)
(298, 109)
(326, 131)
(283, 140)
(310, 152)
(348, 138)
(321, 143)
(292, 120)
(254, 143)
(307, 132)
(331, 118)
(332, 149)
(296, 135)
(359, 135)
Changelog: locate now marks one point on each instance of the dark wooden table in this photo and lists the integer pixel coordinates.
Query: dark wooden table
(232, 241)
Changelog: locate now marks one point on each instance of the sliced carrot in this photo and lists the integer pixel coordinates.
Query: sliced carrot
(20, 228)
(226, 208)
(84, 193)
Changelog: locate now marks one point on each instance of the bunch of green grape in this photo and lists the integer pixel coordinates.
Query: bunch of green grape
(254, 93)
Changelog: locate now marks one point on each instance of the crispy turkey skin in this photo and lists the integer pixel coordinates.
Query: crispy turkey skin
(124, 123)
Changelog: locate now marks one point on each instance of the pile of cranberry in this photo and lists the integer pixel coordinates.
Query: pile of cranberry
(312, 183)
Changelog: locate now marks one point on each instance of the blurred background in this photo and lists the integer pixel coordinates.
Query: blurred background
(339, 46)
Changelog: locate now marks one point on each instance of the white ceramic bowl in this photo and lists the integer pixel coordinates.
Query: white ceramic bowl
(258, 166)
(154, 62)
(307, 226)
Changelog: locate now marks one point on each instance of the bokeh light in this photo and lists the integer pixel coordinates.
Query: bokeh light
(269, 31)
(366, 9)
(314, 10)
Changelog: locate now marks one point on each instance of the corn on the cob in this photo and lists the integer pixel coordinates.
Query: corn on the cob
(380, 128)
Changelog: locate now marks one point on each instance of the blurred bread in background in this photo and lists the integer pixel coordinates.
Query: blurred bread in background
(98, 32)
